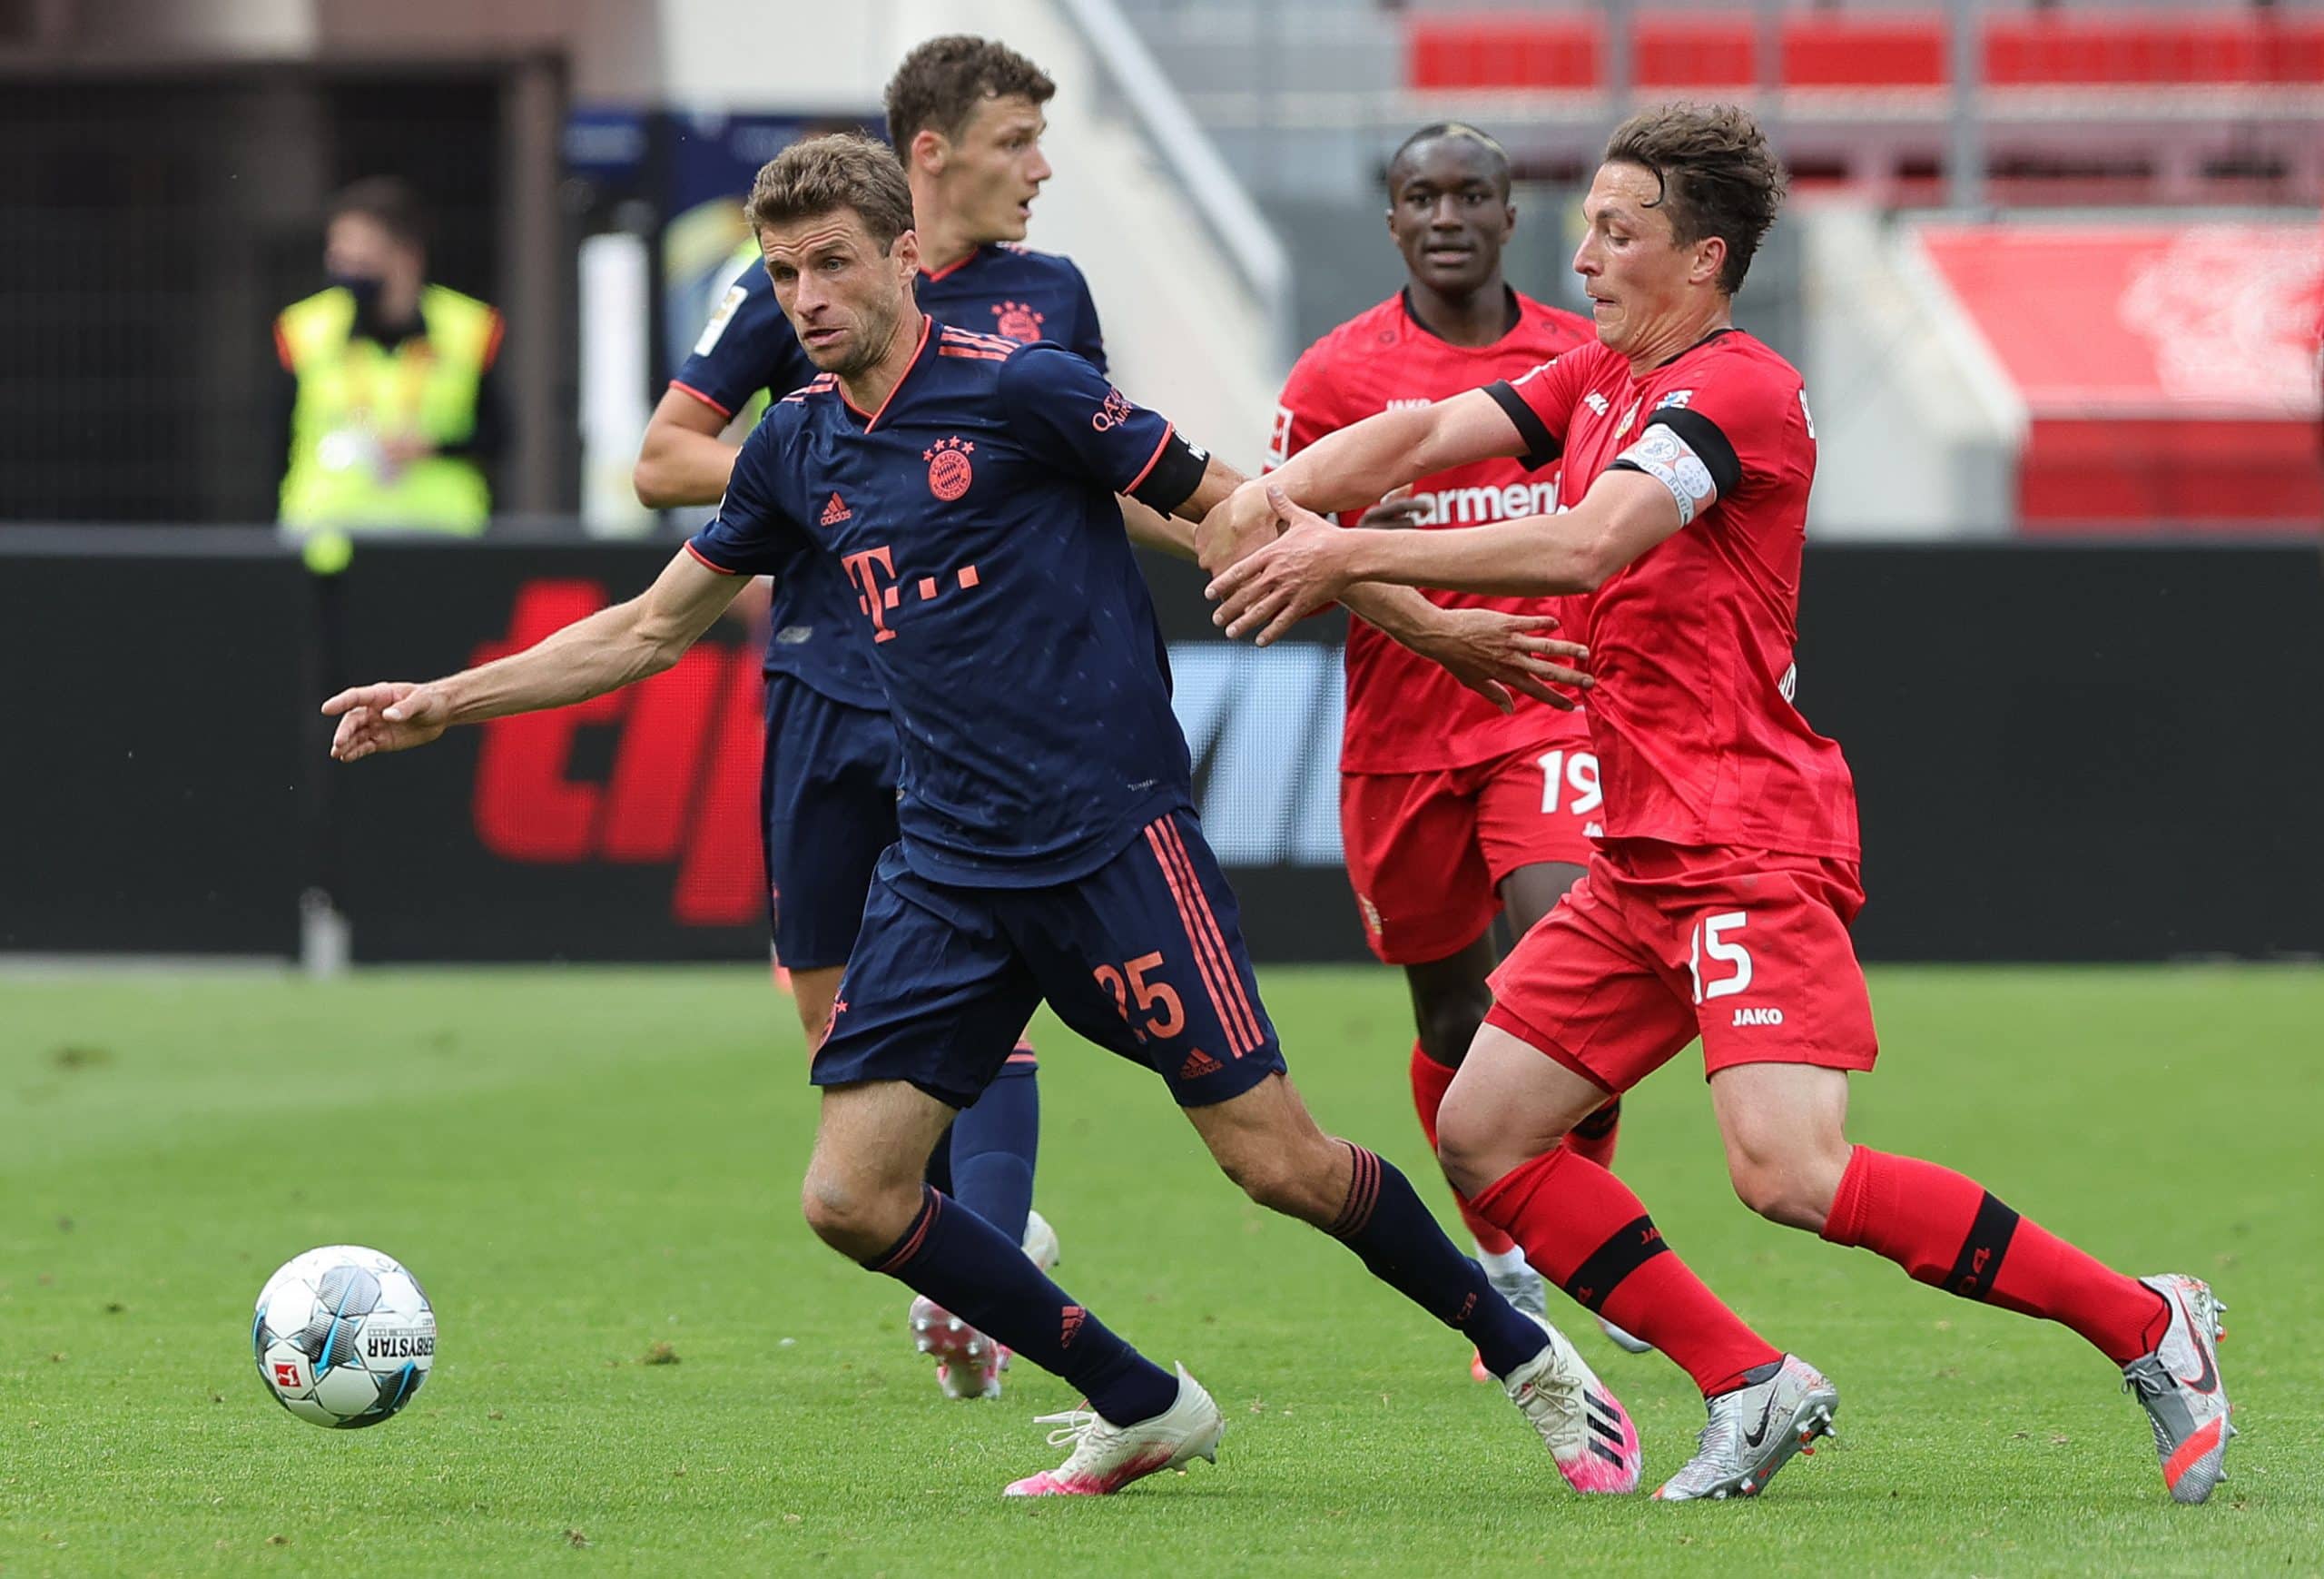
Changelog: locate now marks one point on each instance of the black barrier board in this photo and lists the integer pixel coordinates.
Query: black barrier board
(2084, 752)
(152, 719)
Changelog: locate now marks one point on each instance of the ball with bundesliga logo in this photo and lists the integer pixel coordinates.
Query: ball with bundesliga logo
(344, 1337)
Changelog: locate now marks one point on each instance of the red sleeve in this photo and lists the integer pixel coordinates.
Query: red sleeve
(1542, 404)
(282, 348)
(1306, 410)
(1747, 420)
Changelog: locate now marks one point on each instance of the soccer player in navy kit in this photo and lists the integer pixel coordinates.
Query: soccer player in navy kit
(966, 484)
(966, 114)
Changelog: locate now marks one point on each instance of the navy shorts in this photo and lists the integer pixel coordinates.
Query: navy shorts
(827, 808)
(1143, 956)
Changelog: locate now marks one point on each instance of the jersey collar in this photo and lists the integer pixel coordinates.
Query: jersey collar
(919, 354)
(1509, 296)
(1723, 330)
(954, 267)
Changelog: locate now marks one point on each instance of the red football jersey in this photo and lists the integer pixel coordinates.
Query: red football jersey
(1404, 714)
(1697, 740)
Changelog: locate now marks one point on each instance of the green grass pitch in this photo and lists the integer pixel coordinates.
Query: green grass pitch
(595, 1170)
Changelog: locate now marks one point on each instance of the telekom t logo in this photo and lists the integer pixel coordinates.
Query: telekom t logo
(872, 595)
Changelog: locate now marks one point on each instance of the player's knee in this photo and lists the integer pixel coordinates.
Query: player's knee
(854, 1222)
(1295, 1181)
(1471, 1147)
(1787, 1190)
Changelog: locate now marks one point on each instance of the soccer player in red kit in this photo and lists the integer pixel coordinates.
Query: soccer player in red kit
(1450, 809)
(1718, 903)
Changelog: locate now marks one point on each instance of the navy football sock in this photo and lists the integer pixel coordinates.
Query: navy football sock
(994, 1144)
(1385, 1224)
(967, 1266)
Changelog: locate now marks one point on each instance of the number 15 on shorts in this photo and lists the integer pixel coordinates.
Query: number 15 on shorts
(1710, 942)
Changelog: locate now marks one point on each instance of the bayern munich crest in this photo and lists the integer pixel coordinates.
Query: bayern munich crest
(1018, 321)
(949, 472)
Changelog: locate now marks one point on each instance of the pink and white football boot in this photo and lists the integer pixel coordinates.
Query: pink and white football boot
(1107, 1458)
(1588, 1432)
(968, 1363)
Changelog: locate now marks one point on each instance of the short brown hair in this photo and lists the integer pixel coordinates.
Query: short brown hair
(819, 176)
(940, 83)
(1719, 178)
(388, 201)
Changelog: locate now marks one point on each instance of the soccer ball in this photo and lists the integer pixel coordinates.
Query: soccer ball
(344, 1337)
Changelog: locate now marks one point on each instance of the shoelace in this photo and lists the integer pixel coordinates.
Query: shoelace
(2147, 1377)
(1073, 1425)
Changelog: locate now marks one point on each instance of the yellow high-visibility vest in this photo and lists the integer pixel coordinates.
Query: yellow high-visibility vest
(354, 391)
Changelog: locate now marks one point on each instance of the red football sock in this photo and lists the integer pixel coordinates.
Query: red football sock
(1585, 1231)
(1594, 1137)
(1431, 1079)
(1945, 1230)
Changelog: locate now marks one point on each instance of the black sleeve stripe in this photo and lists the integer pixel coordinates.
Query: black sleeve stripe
(1541, 449)
(1710, 446)
(1173, 478)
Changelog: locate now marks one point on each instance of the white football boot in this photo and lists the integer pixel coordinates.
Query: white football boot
(1753, 1431)
(1588, 1432)
(2178, 1384)
(1040, 1242)
(1107, 1458)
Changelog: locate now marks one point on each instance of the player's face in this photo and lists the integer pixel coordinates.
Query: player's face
(846, 299)
(1450, 214)
(1641, 280)
(993, 172)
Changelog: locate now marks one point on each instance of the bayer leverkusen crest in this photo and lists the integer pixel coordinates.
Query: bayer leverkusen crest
(949, 472)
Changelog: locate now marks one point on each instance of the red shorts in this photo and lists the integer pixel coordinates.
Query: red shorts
(1658, 944)
(1427, 851)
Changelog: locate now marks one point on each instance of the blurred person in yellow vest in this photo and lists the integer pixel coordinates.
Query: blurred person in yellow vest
(390, 413)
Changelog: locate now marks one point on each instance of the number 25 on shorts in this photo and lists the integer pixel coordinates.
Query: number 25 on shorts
(1130, 981)
(1710, 941)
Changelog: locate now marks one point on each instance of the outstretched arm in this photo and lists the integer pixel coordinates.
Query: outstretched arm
(588, 658)
(1361, 464)
(1314, 562)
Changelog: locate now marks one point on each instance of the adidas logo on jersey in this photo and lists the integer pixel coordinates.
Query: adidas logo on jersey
(1758, 1017)
(837, 511)
(1198, 1064)
(1595, 401)
(1413, 405)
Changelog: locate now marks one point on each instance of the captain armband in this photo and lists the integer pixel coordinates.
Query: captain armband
(1176, 471)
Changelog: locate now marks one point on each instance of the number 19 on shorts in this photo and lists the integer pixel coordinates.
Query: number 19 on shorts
(1575, 771)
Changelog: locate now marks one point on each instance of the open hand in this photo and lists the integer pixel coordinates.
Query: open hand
(1236, 525)
(392, 716)
(1493, 653)
(1276, 586)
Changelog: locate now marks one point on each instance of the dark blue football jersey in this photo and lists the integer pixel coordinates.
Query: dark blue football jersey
(1005, 615)
(748, 346)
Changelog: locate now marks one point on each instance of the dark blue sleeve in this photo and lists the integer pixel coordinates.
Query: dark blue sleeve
(754, 533)
(1066, 413)
(1088, 340)
(747, 346)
